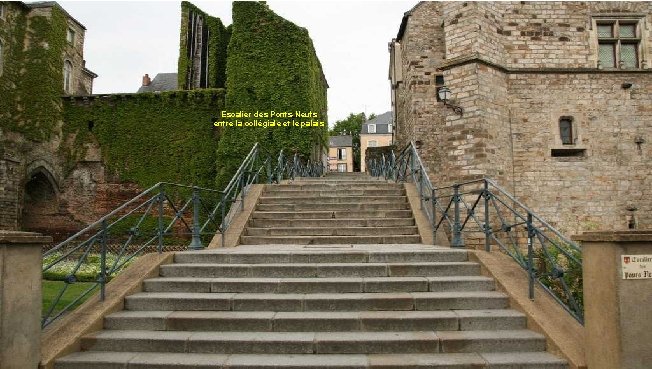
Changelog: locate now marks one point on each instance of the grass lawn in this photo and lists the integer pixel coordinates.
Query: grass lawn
(51, 290)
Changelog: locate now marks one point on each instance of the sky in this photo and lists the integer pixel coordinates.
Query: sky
(124, 40)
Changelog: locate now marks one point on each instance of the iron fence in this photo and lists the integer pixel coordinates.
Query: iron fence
(482, 211)
(162, 217)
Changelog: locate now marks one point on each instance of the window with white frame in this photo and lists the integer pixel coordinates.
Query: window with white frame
(372, 143)
(67, 77)
(619, 43)
(341, 154)
(341, 168)
(70, 36)
(371, 128)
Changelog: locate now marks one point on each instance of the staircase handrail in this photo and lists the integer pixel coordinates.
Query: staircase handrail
(460, 206)
(163, 213)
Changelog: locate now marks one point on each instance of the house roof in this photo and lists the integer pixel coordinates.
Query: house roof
(340, 141)
(382, 122)
(406, 15)
(50, 4)
(161, 82)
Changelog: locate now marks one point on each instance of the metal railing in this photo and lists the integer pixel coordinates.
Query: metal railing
(166, 216)
(482, 211)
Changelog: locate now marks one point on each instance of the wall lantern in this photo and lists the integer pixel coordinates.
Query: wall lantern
(445, 95)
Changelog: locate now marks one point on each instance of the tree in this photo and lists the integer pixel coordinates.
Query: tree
(352, 126)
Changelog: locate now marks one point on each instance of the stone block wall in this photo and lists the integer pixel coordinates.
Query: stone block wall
(516, 68)
(595, 190)
(8, 194)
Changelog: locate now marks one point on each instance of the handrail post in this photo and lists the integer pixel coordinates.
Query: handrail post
(269, 170)
(102, 278)
(530, 256)
(161, 199)
(243, 184)
(195, 244)
(223, 224)
(433, 201)
(487, 226)
(457, 226)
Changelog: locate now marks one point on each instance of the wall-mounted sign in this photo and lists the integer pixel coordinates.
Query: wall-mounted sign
(637, 266)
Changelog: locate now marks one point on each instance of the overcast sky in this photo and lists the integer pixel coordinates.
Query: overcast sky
(125, 40)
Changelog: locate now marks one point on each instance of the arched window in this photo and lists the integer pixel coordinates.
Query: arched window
(566, 130)
(67, 77)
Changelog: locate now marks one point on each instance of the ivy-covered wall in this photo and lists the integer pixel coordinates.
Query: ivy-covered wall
(147, 138)
(218, 39)
(271, 65)
(32, 80)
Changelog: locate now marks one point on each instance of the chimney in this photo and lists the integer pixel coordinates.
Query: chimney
(146, 80)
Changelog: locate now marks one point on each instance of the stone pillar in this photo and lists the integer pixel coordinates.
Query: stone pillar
(618, 311)
(20, 299)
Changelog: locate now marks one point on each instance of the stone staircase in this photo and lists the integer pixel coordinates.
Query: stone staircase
(345, 306)
(340, 208)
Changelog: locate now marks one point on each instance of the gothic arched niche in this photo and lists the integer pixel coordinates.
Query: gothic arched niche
(40, 200)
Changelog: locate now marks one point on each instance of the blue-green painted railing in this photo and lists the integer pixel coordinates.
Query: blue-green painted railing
(163, 216)
(483, 211)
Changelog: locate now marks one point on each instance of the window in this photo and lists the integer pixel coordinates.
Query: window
(371, 128)
(566, 130)
(618, 43)
(67, 77)
(341, 154)
(341, 168)
(372, 143)
(70, 36)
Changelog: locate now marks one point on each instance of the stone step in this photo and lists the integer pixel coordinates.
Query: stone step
(161, 360)
(319, 285)
(337, 182)
(320, 270)
(333, 223)
(328, 231)
(276, 191)
(390, 342)
(331, 199)
(317, 206)
(336, 214)
(270, 321)
(317, 302)
(258, 256)
(314, 186)
(328, 240)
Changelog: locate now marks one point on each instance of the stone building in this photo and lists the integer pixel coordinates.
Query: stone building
(375, 132)
(554, 97)
(340, 153)
(68, 157)
(41, 60)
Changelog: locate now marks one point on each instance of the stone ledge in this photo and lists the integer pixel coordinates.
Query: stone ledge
(564, 335)
(617, 236)
(64, 336)
(14, 237)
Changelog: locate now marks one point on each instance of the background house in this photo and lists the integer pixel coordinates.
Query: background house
(340, 154)
(375, 133)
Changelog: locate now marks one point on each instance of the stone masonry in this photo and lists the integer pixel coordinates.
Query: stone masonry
(517, 69)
